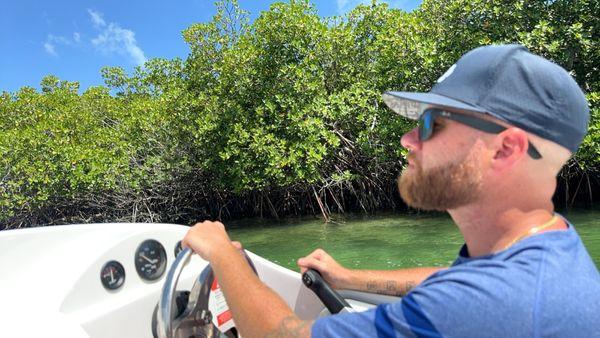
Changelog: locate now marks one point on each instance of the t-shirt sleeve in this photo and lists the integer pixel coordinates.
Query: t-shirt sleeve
(383, 321)
(451, 304)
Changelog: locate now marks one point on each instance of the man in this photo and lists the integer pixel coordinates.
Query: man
(493, 133)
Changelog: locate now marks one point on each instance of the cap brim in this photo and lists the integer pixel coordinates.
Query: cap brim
(410, 104)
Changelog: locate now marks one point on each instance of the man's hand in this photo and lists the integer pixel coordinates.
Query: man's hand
(393, 283)
(335, 274)
(246, 295)
(207, 237)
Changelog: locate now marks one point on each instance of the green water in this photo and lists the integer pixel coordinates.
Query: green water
(378, 242)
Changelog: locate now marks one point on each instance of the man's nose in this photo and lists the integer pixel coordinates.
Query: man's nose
(411, 140)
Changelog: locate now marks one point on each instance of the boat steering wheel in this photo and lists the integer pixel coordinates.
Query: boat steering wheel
(196, 319)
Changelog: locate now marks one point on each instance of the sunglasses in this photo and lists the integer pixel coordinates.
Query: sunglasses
(427, 119)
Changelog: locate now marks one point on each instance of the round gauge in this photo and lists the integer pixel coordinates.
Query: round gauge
(150, 260)
(112, 275)
(178, 248)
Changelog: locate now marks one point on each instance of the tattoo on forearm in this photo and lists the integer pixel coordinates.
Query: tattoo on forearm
(291, 327)
(390, 287)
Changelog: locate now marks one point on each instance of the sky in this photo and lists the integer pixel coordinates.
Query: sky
(74, 39)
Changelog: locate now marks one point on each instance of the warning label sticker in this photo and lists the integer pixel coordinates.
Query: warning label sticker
(218, 307)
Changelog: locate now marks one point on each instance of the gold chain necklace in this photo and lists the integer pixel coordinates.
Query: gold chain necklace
(532, 231)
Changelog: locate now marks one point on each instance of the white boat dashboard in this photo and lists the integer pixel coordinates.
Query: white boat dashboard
(104, 280)
(95, 279)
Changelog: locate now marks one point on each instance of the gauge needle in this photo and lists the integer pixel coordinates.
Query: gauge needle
(148, 259)
(112, 276)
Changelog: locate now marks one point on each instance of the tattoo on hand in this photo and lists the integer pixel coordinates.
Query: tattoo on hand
(291, 326)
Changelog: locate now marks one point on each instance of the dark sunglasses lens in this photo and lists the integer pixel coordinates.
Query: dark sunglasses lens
(425, 125)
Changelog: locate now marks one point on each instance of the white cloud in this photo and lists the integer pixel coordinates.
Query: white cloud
(57, 39)
(49, 47)
(46, 18)
(97, 19)
(52, 41)
(76, 37)
(114, 39)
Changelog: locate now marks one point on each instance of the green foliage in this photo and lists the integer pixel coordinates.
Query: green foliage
(56, 143)
(588, 154)
(289, 102)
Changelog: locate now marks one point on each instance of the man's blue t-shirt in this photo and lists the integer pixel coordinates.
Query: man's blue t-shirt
(546, 285)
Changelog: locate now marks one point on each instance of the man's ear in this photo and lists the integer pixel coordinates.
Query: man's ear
(510, 146)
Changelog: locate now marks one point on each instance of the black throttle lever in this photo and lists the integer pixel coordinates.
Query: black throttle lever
(330, 298)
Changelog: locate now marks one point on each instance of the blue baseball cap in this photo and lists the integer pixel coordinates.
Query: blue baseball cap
(511, 84)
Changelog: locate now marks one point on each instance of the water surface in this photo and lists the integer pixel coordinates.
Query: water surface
(378, 242)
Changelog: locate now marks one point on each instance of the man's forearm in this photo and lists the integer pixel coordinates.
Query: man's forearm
(393, 283)
(257, 310)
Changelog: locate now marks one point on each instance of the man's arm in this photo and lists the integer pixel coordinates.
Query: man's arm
(257, 310)
(394, 283)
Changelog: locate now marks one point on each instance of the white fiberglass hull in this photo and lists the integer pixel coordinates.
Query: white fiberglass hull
(51, 281)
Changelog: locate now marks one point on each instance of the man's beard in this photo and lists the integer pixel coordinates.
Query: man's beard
(441, 188)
